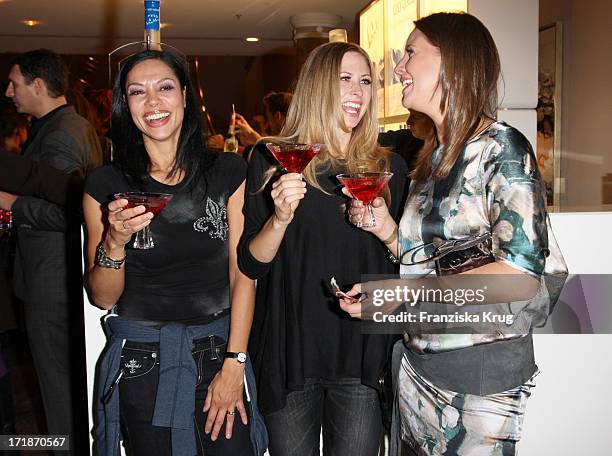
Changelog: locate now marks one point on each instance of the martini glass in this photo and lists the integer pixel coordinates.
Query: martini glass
(365, 187)
(154, 203)
(293, 157)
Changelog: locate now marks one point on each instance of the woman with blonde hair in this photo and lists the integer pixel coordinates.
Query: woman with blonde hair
(314, 368)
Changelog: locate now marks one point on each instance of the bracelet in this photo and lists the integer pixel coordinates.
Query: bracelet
(104, 261)
(392, 258)
(391, 238)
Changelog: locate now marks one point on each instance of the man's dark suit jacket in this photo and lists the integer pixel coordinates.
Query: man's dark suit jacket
(67, 142)
(22, 176)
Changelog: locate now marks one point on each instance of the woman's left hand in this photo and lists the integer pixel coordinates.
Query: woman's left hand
(357, 212)
(352, 306)
(225, 395)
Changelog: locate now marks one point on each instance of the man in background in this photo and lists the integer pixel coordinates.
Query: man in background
(48, 274)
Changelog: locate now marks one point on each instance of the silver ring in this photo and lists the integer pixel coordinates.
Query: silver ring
(230, 413)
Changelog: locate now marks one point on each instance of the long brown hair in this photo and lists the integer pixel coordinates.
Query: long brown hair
(315, 115)
(469, 71)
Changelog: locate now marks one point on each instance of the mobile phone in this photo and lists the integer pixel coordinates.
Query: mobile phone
(341, 294)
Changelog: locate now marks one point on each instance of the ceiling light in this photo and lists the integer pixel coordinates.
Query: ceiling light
(31, 22)
(252, 39)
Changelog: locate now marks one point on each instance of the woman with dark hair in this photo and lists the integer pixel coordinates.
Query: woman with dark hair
(315, 369)
(173, 374)
(464, 393)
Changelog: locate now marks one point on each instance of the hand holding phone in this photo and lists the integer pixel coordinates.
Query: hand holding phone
(341, 294)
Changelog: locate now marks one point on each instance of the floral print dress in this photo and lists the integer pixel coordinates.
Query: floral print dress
(496, 187)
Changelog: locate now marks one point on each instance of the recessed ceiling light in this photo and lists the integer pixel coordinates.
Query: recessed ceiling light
(31, 22)
(252, 39)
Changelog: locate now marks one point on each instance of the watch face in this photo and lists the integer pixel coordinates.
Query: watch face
(241, 357)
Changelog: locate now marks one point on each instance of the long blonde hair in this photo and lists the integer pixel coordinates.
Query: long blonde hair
(315, 114)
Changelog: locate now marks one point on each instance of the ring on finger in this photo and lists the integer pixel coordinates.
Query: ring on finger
(230, 413)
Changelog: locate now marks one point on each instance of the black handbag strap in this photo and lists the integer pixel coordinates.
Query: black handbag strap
(441, 250)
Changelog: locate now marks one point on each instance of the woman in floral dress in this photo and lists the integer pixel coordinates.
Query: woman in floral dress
(465, 394)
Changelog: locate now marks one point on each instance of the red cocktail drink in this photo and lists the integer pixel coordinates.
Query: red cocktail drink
(365, 187)
(293, 157)
(154, 203)
(6, 220)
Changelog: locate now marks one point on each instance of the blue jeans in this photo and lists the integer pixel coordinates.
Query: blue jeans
(348, 412)
(138, 387)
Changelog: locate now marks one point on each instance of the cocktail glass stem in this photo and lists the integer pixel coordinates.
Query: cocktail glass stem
(368, 223)
(143, 239)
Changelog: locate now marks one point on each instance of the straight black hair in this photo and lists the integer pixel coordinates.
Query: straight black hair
(130, 154)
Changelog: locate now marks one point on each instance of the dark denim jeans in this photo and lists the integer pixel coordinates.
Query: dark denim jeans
(138, 387)
(348, 411)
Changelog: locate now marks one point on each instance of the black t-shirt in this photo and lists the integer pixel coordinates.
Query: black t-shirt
(299, 330)
(185, 277)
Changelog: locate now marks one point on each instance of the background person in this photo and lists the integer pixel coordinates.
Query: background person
(48, 273)
(276, 105)
(13, 130)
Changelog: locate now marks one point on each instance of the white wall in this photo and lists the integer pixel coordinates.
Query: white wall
(514, 27)
(586, 96)
(94, 340)
(567, 413)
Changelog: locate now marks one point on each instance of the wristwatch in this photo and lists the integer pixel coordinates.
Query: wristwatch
(105, 262)
(241, 357)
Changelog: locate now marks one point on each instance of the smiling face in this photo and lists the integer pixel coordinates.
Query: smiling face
(355, 88)
(156, 100)
(419, 71)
